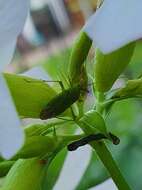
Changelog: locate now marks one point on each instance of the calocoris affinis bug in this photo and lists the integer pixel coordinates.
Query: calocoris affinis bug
(90, 138)
(61, 102)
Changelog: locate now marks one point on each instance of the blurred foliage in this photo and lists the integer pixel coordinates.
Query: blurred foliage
(57, 65)
(125, 121)
(135, 67)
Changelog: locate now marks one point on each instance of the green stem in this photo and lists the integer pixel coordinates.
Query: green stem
(100, 100)
(110, 164)
(107, 159)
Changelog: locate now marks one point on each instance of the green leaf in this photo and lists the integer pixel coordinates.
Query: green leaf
(54, 170)
(29, 95)
(133, 88)
(79, 54)
(135, 67)
(77, 69)
(108, 67)
(37, 146)
(93, 118)
(56, 165)
(5, 167)
(42, 129)
(37, 129)
(25, 174)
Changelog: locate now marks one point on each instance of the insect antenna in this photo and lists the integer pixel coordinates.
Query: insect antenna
(64, 77)
(64, 119)
(45, 81)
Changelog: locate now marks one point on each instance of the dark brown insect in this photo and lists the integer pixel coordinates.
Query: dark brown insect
(75, 145)
(93, 137)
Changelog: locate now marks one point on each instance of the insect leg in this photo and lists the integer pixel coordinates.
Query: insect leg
(68, 82)
(54, 132)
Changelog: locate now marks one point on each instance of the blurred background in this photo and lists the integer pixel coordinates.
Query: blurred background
(50, 28)
(46, 42)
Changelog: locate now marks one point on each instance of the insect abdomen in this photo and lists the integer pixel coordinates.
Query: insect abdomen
(60, 103)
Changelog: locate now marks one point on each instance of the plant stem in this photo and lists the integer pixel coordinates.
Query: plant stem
(100, 100)
(107, 159)
(110, 164)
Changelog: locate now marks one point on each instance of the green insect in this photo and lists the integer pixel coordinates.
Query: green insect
(61, 102)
